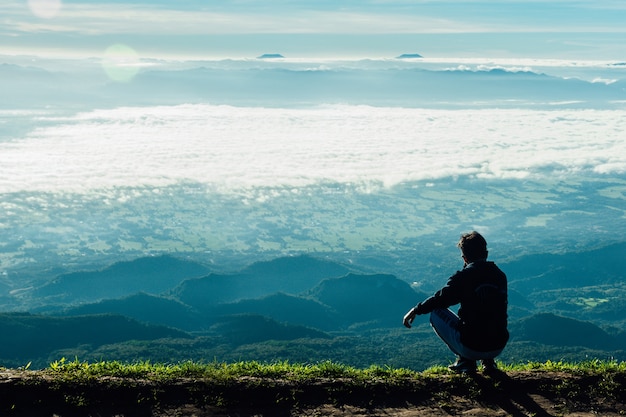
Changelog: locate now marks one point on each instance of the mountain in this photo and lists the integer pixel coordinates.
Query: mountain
(548, 271)
(409, 56)
(236, 82)
(250, 328)
(519, 305)
(37, 87)
(206, 292)
(549, 329)
(605, 304)
(153, 275)
(145, 308)
(361, 85)
(378, 300)
(292, 275)
(37, 335)
(284, 308)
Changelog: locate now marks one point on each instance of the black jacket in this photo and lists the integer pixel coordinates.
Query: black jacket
(481, 290)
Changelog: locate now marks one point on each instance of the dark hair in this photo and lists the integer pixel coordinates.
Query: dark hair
(473, 246)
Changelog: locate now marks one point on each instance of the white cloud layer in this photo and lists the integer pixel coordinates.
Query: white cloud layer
(233, 148)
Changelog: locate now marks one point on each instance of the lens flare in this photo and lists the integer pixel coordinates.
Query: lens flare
(45, 9)
(120, 63)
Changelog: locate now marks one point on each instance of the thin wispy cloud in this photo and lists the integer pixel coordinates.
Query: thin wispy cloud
(307, 17)
(98, 20)
(168, 27)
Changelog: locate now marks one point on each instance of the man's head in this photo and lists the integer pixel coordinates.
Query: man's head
(473, 246)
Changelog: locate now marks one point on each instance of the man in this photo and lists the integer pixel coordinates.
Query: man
(479, 332)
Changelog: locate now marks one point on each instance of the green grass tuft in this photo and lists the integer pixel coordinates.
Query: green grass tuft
(77, 369)
(594, 366)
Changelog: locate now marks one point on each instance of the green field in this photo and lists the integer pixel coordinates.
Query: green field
(42, 231)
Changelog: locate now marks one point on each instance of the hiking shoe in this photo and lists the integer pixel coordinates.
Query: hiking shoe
(489, 365)
(463, 365)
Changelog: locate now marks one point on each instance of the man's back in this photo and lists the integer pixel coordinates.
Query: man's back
(483, 310)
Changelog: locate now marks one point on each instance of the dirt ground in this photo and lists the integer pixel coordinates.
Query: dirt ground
(534, 405)
(532, 393)
(412, 411)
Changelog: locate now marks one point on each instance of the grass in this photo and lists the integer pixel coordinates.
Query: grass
(296, 372)
(134, 388)
(224, 371)
(590, 367)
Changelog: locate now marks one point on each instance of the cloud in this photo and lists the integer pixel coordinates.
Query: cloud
(196, 18)
(238, 149)
(45, 9)
(108, 19)
(169, 27)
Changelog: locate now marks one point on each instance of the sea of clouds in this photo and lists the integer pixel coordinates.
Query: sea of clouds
(156, 139)
(234, 149)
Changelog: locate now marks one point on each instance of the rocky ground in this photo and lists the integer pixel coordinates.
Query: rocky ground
(528, 393)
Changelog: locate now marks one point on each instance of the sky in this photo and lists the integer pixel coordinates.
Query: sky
(584, 29)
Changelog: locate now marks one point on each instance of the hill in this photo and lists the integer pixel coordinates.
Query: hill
(291, 275)
(143, 307)
(377, 300)
(285, 308)
(335, 304)
(247, 389)
(549, 329)
(548, 271)
(149, 274)
(35, 336)
(250, 328)
(261, 313)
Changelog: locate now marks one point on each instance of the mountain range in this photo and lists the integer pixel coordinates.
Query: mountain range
(295, 299)
(221, 83)
(150, 274)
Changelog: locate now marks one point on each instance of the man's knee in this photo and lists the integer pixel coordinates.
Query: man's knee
(444, 316)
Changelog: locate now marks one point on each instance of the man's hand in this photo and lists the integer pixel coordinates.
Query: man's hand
(409, 317)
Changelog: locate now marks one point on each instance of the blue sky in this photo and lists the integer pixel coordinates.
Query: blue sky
(589, 29)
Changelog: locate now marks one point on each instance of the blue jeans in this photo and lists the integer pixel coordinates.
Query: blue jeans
(446, 325)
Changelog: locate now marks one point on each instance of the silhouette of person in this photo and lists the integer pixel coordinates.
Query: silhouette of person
(479, 332)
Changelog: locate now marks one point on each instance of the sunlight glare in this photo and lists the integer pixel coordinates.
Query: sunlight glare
(120, 63)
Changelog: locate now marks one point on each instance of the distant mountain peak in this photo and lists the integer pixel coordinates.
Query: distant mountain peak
(409, 56)
(270, 56)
